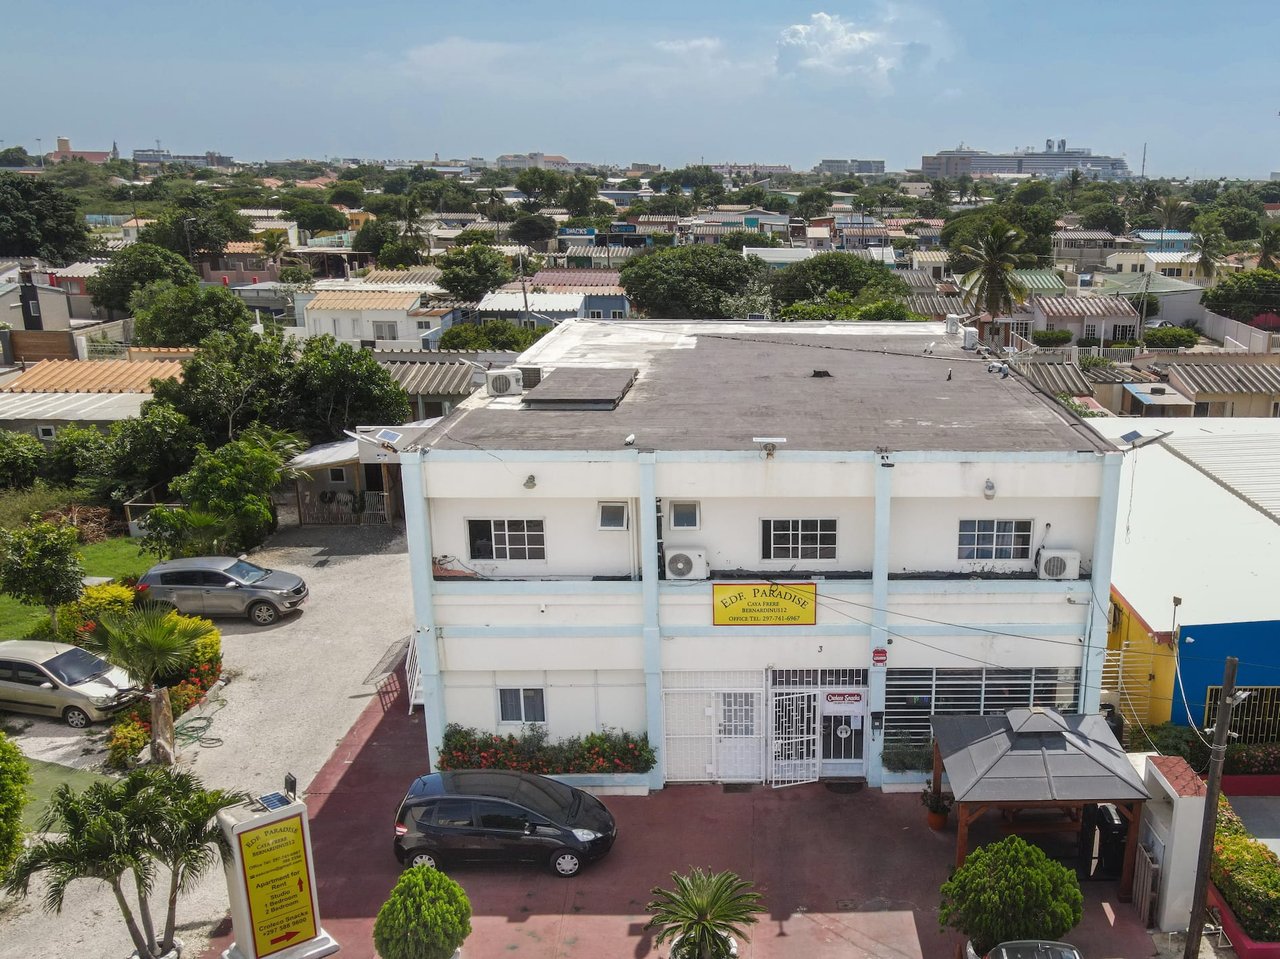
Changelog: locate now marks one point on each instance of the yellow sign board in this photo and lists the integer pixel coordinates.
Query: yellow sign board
(277, 877)
(764, 604)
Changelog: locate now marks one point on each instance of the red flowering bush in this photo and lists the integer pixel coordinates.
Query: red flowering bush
(1247, 873)
(529, 751)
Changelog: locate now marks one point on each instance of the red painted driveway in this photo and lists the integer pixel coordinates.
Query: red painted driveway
(853, 875)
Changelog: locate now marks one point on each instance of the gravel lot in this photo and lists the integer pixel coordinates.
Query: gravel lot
(295, 689)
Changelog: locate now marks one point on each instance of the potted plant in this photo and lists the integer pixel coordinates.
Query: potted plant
(703, 913)
(938, 805)
(1010, 890)
(427, 916)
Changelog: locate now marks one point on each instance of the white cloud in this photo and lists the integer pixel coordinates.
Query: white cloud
(701, 46)
(832, 47)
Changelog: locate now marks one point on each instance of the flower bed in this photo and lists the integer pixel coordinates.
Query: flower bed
(530, 751)
(1244, 945)
(1246, 875)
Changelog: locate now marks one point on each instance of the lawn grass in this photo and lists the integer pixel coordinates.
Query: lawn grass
(44, 777)
(118, 556)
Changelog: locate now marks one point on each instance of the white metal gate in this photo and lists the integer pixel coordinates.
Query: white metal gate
(796, 757)
(1129, 673)
(715, 726)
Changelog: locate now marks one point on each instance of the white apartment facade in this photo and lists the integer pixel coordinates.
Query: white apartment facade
(768, 548)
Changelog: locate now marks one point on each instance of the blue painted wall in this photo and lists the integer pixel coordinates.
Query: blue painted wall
(1256, 645)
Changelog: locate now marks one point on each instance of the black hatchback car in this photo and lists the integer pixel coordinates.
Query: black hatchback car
(492, 815)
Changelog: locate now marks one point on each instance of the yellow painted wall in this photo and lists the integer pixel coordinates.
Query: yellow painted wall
(1145, 666)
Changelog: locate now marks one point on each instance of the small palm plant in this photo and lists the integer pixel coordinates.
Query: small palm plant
(1207, 244)
(992, 285)
(1269, 247)
(149, 642)
(702, 912)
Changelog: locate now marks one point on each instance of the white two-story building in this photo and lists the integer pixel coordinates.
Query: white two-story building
(770, 547)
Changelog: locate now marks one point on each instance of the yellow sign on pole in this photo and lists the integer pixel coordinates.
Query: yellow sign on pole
(277, 878)
(764, 604)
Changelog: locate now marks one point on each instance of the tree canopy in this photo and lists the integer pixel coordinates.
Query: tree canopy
(540, 187)
(39, 220)
(1103, 216)
(319, 218)
(490, 335)
(470, 272)
(335, 386)
(170, 315)
(530, 228)
(198, 223)
(737, 239)
(1244, 296)
(813, 278)
(688, 282)
(133, 268)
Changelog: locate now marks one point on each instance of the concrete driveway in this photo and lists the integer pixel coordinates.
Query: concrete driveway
(295, 689)
(844, 875)
(1261, 816)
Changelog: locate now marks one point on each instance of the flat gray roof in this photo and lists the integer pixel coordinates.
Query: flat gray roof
(717, 385)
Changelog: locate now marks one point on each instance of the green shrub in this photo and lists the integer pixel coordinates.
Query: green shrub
(1086, 341)
(77, 451)
(903, 754)
(1050, 337)
(18, 505)
(129, 736)
(427, 916)
(1247, 873)
(603, 752)
(1229, 824)
(15, 776)
(21, 459)
(886, 311)
(1090, 362)
(1010, 890)
(1167, 337)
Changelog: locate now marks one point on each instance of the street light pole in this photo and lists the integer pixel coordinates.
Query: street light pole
(1217, 752)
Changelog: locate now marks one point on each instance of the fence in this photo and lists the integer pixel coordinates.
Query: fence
(1256, 720)
(341, 507)
(1238, 336)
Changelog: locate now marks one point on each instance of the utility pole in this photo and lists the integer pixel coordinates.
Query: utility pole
(1217, 752)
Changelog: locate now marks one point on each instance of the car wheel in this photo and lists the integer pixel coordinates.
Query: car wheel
(263, 614)
(565, 863)
(75, 717)
(423, 858)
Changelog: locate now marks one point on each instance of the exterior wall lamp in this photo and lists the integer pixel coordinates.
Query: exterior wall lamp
(989, 489)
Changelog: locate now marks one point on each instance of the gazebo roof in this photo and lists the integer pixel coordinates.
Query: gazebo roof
(1035, 755)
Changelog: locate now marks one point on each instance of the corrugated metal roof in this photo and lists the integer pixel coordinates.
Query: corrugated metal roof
(1055, 378)
(935, 304)
(1158, 235)
(514, 301)
(717, 229)
(572, 277)
(1248, 464)
(85, 268)
(71, 407)
(1041, 281)
(364, 300)
(929, 256)
(94, 376)
(1118, 374)
(1084, 306)
(450, 378)
(243, 246)
(1083, 235)
(415, 274)
(1226, 377)
(327, 454)
(601, 252)
(1171, 256)
(918, 279)
(900, 222)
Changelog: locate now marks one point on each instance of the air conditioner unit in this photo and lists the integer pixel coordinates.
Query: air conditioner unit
(688, 564)
(1058, 564)
(508, 382)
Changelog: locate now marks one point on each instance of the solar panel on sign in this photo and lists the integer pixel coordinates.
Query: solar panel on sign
(274, 800)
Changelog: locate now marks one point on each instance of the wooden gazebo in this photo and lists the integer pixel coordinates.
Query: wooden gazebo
(1037, 759)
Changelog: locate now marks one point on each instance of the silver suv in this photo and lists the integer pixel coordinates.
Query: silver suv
(54, 679)
(225, 586)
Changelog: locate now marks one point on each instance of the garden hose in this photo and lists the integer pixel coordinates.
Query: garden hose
(195, 730)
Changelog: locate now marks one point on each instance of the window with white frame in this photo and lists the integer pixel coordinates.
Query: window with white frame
(424, 326)
(994, 539)
(46, 432)
(1124, 332)
(1091, 331)
(595, 314)
(1050, 327)
(613, 515)
(506, 539)
(798, 539)
(685, 515)
(522, 705)
(386, 331)
(615, 315)
(337, 474)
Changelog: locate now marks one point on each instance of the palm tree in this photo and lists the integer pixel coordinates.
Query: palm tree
(185, 838)
(116, 830)
(1269, 246)
(700, 914)
(1172, 214)
(150, 642)
(275, 244)
(991, 284)
(939, 190)
(1207, 243)
(1073, 181)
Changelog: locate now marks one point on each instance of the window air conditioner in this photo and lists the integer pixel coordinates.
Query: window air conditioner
(1058, 564)
(508, 382)
(688, 564)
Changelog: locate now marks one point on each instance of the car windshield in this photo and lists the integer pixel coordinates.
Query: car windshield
(76, 666)
(547, 797)
(246, 572)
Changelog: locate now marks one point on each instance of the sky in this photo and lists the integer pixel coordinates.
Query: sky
(661, 81)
